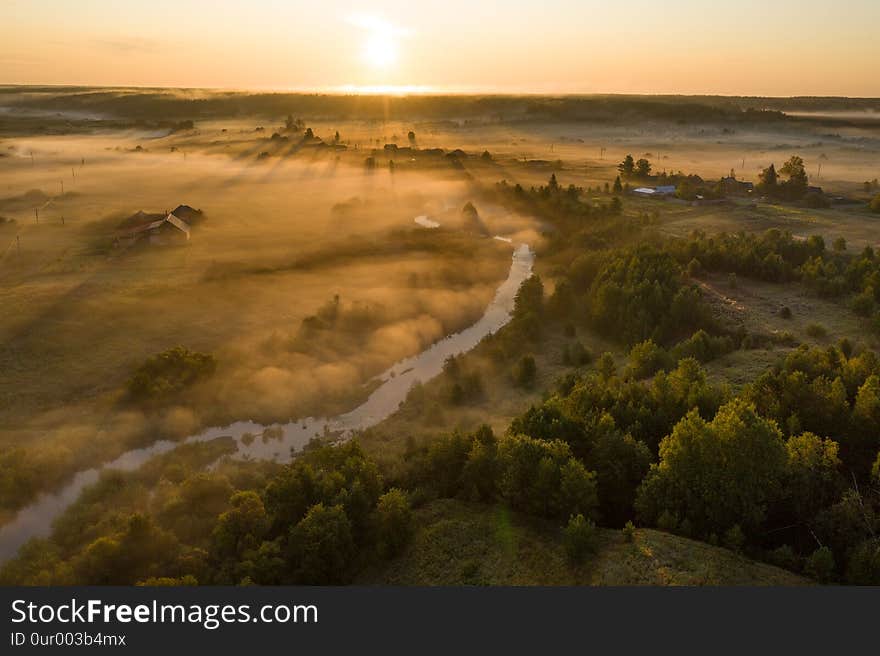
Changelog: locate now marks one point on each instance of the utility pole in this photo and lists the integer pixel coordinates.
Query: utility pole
(37, 214)
(62, 187)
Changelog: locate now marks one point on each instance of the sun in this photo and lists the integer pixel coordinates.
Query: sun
(380, 50)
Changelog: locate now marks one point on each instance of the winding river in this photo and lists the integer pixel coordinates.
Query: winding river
(280, 442)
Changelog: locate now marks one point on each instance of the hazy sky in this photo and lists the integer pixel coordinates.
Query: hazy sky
(761, 47)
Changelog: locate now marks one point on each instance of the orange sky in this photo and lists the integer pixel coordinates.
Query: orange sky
(680, 46)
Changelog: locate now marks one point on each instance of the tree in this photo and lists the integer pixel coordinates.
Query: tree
(606, 366)
(875, 204)
(321, 547)
(716, 474)
(579, 537)
(795, 171)
(241, 528)
(411, 136)
(525, 371)
(618, 187)
(541, 477)
(768, 180)
(812, 479)
(393, 522)
(643, 168)
(820, 565)
(309, 134)
(620, 463)
(627, 166)
(647, 358)
(169, 373)
(548, 422)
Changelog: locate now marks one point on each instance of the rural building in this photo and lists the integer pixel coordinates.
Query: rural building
(164, 231)
(655, 192)
(732, 186)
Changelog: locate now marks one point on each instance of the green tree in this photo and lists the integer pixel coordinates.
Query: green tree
(627, 166)
(525, 371)
(580, 538)
(393, 522)
(241, 528)
(716, 474)
(820, 565)
(812, 480)
(643, 168)
(321, 547)
(542, 478)
(617, 188)
(620, 463)
(768, 180)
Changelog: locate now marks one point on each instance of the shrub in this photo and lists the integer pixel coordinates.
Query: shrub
(580, 538)
(820, 565)
(816, 331)
(875, 204)
(785, 312)
(629, 531)
(784, 557)
(734, 539)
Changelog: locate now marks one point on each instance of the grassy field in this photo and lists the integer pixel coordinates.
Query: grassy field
(459, 543)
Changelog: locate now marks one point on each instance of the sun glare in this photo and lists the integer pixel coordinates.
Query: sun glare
(380, 50)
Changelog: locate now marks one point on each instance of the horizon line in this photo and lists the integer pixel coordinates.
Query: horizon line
(423, 90)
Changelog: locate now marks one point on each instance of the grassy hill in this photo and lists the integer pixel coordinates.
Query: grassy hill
(460, 543)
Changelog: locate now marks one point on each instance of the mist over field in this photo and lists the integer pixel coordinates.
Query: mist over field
(175, 262)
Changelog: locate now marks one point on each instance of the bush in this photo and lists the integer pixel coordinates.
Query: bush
(734, 539)
(784, 557)
(785, 312)
(816, 331)
(820, 565)
(629, 531)
(875, 204)
(580, 538)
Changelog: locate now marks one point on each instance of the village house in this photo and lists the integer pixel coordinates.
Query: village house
(158, 229)
(730, 185)
(661, 191)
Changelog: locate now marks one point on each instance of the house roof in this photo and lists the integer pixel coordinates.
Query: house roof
(180, 224)
(172, 220)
